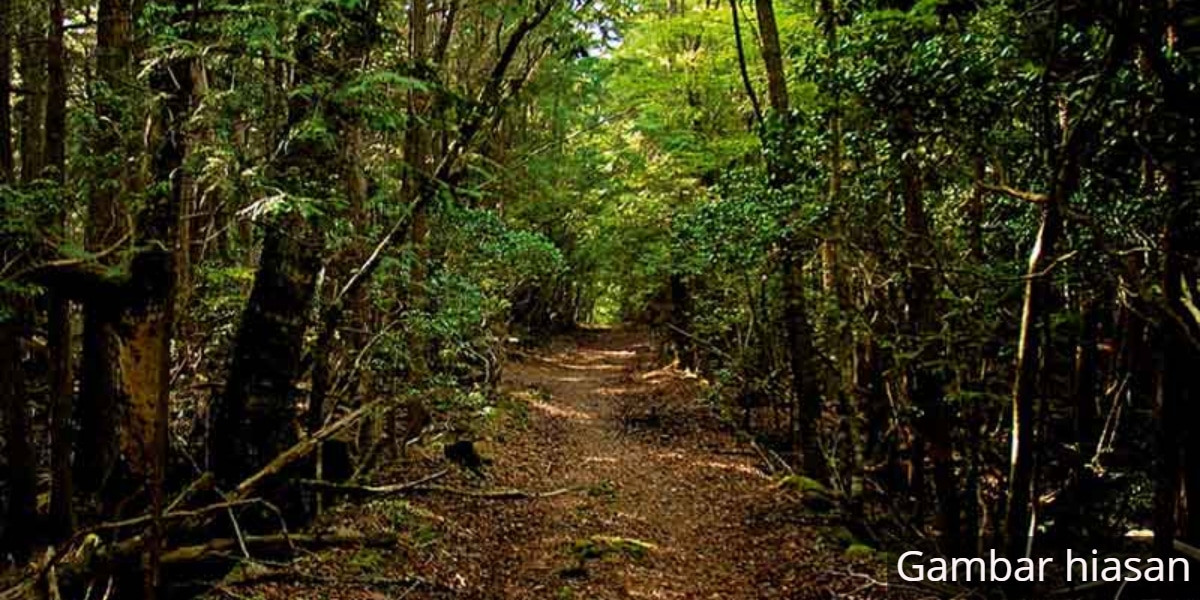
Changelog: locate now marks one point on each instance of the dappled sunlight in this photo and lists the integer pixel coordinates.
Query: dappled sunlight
(708, 463)
(616, 390)
(620, 354)
(570, 379)
(732, 467)
(559, 412)
(584, 367)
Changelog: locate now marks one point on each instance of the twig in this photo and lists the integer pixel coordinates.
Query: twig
(170, 516)
(498, 494)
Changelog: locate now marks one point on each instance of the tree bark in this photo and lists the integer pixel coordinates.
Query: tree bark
(416, 182)
(58, 313)
(20, 516)
(100, 393)
(6, 38)
(925, 387)
(1021, 467)
(806, 393)
(31, 106)
(253, 420)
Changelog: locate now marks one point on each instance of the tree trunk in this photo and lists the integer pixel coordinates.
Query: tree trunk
(58, 314)
(100, 394)
(806, 393)
(1018, 505)
(416, 182)
(772, 55)
(148, 316)
(6, 38)
(975, 210)
(31, 107)
(253, 420)
(680, 319)
(21, 508)
(925, 386)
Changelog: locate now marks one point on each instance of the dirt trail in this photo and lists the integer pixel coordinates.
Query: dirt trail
(646, 461)
(658, 470)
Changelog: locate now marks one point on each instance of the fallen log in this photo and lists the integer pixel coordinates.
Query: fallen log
(85, 554)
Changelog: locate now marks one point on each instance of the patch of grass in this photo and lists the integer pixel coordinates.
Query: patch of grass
(564, 593)
(605, 489)
(815, 496)
(425, 536)
(403, 515)
(859, 552)
(367, 560)
(802, 484)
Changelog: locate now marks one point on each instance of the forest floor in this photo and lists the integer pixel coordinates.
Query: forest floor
(662, 500)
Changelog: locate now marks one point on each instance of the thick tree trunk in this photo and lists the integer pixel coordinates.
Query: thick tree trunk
(147, 319)
(58, 313)
(772, 55)
(100, 393)
(253, 420)
(805, 385)
(31, 106)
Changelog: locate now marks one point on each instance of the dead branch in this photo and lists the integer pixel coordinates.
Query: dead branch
(220, 547)
(296, 575)
(377, 490)
(171, 516)
(497, 494)
(74, 565)
(298, 451)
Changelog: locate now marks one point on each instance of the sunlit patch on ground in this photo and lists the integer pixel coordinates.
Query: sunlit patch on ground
(558, 411)
(735, 467)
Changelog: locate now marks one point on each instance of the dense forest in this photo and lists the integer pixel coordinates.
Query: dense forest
(931, 269)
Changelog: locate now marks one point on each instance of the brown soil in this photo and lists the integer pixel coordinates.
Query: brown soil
(665, 501)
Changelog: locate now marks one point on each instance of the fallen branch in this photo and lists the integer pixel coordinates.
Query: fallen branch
(297, 576)
(497, 494)
(220, 548)
(395, 488)
(298, 451)
(171, 516)
(90, 557)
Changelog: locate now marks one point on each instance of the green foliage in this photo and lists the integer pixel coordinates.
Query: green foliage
(605, 547)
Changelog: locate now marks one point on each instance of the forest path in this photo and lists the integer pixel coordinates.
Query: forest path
(657, 468)
(644, 460)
